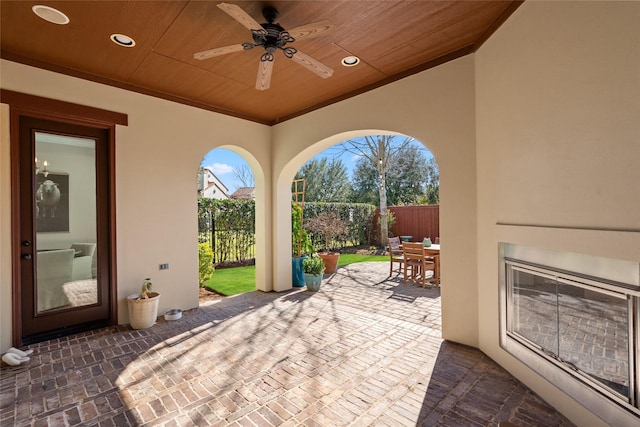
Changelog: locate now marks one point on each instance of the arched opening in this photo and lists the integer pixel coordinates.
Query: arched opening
(282, 226)
(232, 173)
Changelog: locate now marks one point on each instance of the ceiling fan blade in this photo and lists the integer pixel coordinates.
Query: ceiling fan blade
(312, 65)
(206, 54)
(240, 15)
(263, 82)
(311, 30)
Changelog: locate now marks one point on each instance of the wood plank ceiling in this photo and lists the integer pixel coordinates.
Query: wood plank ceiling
(393, 39)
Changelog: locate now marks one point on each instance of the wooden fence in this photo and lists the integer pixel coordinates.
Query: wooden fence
(416, 221)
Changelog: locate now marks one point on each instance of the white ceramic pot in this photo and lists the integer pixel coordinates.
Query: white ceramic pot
(143, 313)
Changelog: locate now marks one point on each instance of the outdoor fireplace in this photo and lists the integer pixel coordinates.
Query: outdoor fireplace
(575, 320)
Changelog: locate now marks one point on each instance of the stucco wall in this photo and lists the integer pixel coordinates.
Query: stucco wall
(558, 148)
(157, 159)
(437, 108)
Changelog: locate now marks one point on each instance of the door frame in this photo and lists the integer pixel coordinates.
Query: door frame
(23, 105)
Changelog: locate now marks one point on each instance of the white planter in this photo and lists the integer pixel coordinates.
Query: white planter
(143, 312)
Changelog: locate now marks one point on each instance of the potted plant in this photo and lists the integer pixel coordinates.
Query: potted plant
(143, 307)
(331, 227)
(313, 270)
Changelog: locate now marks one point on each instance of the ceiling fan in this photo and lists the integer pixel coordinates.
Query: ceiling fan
(271, 36)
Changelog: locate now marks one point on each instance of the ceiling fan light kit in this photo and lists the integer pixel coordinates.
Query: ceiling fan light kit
(272, 37)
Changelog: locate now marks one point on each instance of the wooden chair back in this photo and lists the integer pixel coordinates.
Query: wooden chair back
(417, 261)
(413, 250)
(395, 255)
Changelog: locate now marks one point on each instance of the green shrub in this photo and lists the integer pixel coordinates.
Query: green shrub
(391, 221)
(313, 265)
(205, 263)
(300, 241)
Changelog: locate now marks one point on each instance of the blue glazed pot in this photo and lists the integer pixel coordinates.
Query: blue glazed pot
(297, 272)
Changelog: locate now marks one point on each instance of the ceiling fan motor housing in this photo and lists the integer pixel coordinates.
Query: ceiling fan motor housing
(272, 37)
(270, 13)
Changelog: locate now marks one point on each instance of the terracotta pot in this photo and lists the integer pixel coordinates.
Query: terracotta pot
(330, 260)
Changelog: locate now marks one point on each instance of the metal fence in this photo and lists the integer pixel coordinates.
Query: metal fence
(229, 244)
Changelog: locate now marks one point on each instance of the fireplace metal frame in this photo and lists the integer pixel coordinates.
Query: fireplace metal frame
(608, 404)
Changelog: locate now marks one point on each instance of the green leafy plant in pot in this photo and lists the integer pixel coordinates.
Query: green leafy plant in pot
(143, 307)
(313, 268)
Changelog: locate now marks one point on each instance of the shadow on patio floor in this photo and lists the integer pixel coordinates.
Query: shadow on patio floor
(350, 354)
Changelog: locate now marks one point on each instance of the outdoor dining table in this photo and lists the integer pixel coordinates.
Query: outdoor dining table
(433, 251)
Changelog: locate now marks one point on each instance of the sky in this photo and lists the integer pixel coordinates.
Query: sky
(223, 162)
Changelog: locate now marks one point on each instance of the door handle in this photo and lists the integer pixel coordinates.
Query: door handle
(26, 243)
(26, 256)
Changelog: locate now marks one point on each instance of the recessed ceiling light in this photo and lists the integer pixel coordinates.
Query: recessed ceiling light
(350, 61)
(122, 40)
(50, 14)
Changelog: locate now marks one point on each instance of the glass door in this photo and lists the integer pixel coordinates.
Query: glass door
(64, 282)
(65, 213)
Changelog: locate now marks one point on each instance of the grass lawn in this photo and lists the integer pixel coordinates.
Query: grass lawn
(346, 259)
(232, 281)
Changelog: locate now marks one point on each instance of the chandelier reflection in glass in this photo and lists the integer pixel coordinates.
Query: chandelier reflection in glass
(44, 171)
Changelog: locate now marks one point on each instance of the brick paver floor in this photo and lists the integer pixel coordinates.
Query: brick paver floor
(362, 351)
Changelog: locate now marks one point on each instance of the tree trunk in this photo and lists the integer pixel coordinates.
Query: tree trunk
(382, 169)
(384, 225)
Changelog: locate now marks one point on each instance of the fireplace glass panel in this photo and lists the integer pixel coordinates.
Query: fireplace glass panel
(535, 305)
(594, 335)
(583, 327)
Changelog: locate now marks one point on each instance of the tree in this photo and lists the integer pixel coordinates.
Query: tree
(433, 182)
(244, 175)
(325, 180)
(405, 177)
(382, 151)
(329, 226)
(431, 195)
(365, 182)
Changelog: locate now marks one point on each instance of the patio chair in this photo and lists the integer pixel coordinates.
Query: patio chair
(395, 255)
(416, 261)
